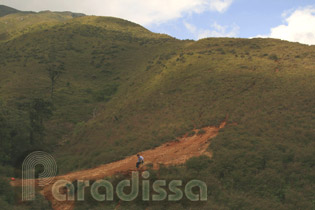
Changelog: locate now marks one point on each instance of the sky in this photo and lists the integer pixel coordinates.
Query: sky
(292, 20)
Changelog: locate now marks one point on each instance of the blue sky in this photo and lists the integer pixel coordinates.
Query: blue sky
(292, 20)
(247, 18)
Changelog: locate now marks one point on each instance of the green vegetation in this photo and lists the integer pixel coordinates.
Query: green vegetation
(92, 90)
(4, 10)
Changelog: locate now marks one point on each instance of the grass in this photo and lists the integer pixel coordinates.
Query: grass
(125, 90)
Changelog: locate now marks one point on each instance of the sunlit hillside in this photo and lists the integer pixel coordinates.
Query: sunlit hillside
(92, 90)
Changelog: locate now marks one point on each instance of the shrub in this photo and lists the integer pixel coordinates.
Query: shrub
(273, 57)
(6, 191)
(198, 163)
(40, 203)
(201, 131)
(191, 133)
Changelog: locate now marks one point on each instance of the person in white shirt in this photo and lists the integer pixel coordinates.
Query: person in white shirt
(140, 160)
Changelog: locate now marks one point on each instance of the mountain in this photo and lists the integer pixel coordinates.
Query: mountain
(16, 23)
(4, 10)
(93, 90)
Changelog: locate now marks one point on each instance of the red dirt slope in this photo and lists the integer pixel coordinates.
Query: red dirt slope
(172, 153)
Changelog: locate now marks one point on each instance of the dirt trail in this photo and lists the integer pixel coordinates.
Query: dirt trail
(172, 153)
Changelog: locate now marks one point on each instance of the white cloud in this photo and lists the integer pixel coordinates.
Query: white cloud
(191, 28)
(215, 30)
(299, 27)
(220, 5)
(145, 12)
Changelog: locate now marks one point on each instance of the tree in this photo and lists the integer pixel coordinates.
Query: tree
(14, 134)
(39, 110)
(54, 71)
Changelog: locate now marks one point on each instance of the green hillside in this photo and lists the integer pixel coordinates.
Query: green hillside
(16, 23)
(4, 10)
(92, 90)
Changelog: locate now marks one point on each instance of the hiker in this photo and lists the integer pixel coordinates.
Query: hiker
(140, 160)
